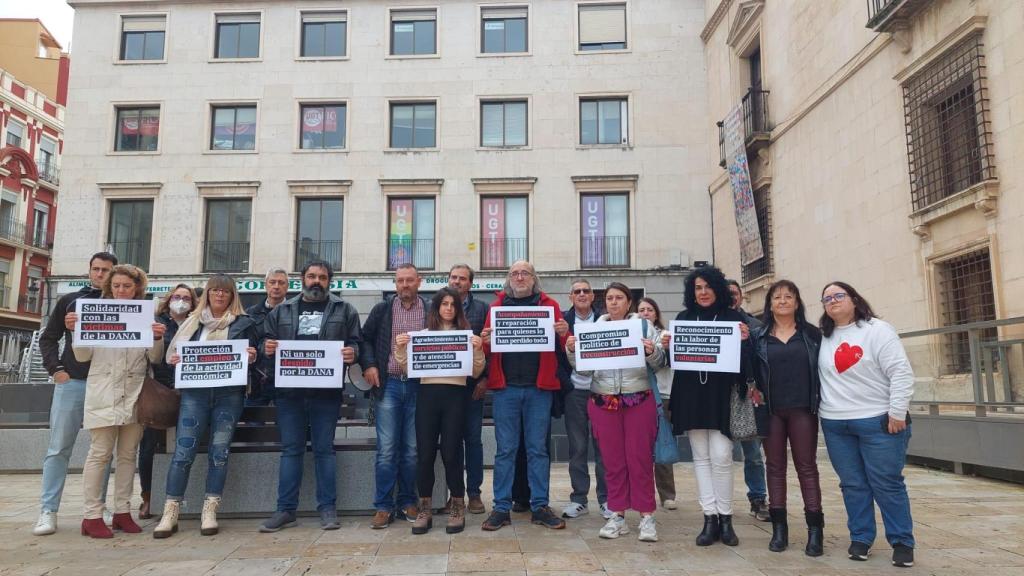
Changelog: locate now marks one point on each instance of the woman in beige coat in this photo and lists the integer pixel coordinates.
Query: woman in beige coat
(111, 391)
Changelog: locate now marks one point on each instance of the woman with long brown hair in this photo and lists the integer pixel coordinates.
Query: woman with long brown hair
(440, 412)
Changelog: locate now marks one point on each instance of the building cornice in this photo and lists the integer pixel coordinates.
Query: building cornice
(715, 20)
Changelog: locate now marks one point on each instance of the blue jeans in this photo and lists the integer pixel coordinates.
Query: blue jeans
(522, 410)
(753, 470)
(869, 462)
(317, 411)
(201, 408)
(395, 414)
(66, 411)
(473, 444)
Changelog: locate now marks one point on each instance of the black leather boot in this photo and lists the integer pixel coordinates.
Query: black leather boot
(728, 535)
(815, 533)
(711, 532)
(780, 530)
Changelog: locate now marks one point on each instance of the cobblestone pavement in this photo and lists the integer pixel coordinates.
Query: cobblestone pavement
(963, 525)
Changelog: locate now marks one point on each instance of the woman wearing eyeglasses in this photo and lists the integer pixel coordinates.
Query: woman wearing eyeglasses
(866, 386)
(786, 370)
(172, 311)
(218, 316)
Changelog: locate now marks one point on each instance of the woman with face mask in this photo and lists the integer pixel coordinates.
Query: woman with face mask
(218, 316)
(171, 312)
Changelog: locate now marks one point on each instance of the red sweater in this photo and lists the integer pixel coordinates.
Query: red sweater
(546, 377)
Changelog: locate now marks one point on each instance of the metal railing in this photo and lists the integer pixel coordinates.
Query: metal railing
(500, 253)
(755, 120)
(604, 251)
(30, 304)
(131, 252)
(49, 172)
(12, 229)
(42, 239)
(225, 256)
(5, 296)
(418, 252)
(327, 250)
(888, 15)
(992, 381)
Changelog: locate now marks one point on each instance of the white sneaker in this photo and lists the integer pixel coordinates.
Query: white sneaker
(648, 529)
(46, 524)
(669, 504)
(615, 526)
(605, 512)
(574, 510)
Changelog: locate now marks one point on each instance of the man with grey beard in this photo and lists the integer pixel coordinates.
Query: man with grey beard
(316, 314)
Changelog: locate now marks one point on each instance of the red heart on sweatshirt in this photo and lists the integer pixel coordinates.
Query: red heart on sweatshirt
(846, 356)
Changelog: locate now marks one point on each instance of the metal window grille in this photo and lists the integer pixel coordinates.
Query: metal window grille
(966, 295)
(949, 136)
(763, 265)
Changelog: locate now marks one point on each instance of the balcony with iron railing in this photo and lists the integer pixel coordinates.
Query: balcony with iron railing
(604, 251)
(500, 253)
(42, 238)
(307, 250)
(225, 256)
(418, 252)
(13, 230)
(30, 303)
(756, 127)
(49, 172)
(893, 15)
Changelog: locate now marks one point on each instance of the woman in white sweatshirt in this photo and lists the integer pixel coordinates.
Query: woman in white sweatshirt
(866, 386)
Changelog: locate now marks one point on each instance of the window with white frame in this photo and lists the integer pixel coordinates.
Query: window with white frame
(604, 121)
(46, 159)
(41, 226)
(319, 231)
(411, 232)
(233, 127)
(324, 34)
(5, 284)
(503, 123)
(413, 32)
(15, 133)
(413, 125)
(142, 37)
(503, 29)
(138, 129)
(602, 27)
(226, 243)
(323, 126)
(503, 231)
(129, 231)
(604, 227)
(237, 36)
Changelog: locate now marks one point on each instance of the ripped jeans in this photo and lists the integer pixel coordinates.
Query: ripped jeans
(217, 409)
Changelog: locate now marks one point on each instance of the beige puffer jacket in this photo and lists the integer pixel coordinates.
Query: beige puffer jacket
(114, 382)
(624, 380)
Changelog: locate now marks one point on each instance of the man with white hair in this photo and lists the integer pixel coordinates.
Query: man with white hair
(261, 372)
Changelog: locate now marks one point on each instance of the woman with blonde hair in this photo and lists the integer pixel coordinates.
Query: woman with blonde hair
(218, 316)
(111, 392)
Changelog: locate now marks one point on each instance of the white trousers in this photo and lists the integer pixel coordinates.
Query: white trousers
(712, 465)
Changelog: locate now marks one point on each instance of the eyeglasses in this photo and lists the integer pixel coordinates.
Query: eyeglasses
(221, 291)
(837, 297)
(579, 291)
(520, 274)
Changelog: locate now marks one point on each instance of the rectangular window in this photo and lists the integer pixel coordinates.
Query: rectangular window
(503, 123)
(503, 231)
(234, 127)
(503, 30)
(411, 232)
(46, 160)
(324, 34)
(238, 36)
(319, 231)
(15, 133)
(966, 295)
(34, 291)
(323, 126)
(949, 138)
(142, 37)
(413, 32)
(604, 121)
(226, 244)
(5, 284)
(129, 230)
(138, 129)
(762, 266)
(414, 125)
(605, 227)
(602, 27)
(41, 226)
(11, 226)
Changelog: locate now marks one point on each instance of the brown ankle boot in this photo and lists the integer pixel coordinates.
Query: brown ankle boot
(424, 519)
(144, 511)
(456, 516)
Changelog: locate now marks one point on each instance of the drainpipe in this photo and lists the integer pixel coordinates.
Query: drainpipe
(711, 209)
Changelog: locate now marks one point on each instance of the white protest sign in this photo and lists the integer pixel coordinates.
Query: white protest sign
(212, 364)
(309, 364)
(522, 329)
(609, 345)
(113, 323)
(705, 346)
(440, 353)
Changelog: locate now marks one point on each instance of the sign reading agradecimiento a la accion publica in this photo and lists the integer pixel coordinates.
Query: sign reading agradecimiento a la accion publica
(113, 323)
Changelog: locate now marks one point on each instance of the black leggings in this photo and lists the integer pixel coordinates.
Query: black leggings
(440, 410)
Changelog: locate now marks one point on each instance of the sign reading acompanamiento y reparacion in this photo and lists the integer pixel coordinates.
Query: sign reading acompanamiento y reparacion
(113, 323)
(705, 346)
(522, 329)
(309, 364)
(212, 364)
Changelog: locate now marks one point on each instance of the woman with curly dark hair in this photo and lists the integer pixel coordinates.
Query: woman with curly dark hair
(700, 406)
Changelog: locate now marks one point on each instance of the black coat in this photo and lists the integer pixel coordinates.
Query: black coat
(377, 338)
(811, 337)
(706, 406)
(49, 340)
